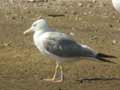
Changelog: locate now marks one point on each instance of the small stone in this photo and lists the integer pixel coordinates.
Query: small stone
(11, 1)
(94, 1)
(60, 89)
(110, 25)
(81, 81)
(73, 12)
(80, 4)
(89, 12)
(72, 34)
(93, 67)
(6, 44)
(89, 5)
(114, 42)
(29, 12)
(113, 16)
(13, 18)
(85, 13)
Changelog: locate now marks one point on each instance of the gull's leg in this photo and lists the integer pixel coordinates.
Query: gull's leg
(61, 75)
(54, 76)
(56, 70)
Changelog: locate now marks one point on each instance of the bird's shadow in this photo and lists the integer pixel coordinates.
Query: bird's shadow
(81, 80)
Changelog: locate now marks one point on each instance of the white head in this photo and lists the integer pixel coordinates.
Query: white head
(38, 25)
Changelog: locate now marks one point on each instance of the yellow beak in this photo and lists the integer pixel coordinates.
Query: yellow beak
(27, 31)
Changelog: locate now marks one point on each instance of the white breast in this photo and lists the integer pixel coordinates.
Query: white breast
(38, 39)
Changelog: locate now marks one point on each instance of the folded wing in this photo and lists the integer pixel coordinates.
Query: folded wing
(66, 47)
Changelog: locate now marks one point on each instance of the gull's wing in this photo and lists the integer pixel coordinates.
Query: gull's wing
(61, 45)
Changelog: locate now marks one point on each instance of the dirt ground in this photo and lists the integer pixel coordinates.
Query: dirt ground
(93, 22)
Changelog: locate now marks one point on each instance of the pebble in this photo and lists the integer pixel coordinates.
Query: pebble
(72, 34)
(6, 44)
(94, 1)
(114, 42)
(89, 5)
(110, 25)
(13, 18)
(85, 13)
(73, 12)
(80, 4)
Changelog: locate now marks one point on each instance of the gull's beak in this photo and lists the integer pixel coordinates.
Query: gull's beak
(27, 31)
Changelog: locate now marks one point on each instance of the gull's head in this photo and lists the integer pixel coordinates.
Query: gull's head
(38, 25)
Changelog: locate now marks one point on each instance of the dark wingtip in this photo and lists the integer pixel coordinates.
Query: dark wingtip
(102, 57)
(105, 55)
(106, 60)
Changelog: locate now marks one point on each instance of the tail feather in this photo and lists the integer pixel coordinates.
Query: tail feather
(102, 57)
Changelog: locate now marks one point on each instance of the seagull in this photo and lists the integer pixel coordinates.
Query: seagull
(116, 5)
(61, 47)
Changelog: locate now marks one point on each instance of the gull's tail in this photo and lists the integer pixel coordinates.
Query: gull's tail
(102, 57)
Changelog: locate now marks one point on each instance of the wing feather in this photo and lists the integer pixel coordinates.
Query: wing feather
(66, 47)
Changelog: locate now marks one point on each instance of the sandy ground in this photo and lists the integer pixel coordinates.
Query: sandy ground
(93, 22)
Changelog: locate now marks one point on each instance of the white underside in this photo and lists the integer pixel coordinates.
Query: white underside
(116, 4)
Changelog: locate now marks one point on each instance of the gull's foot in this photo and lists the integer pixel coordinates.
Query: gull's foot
(53, 80)
(58, 81)
(49, 79)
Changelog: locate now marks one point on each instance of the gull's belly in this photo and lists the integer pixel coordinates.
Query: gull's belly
(116, 4)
